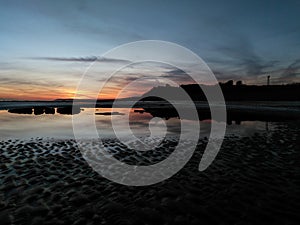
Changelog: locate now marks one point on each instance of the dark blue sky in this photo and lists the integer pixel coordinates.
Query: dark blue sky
(238, 39)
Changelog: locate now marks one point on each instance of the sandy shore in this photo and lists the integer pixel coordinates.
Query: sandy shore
(254, 180)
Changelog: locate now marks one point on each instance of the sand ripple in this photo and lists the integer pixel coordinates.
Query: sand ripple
(254, 180)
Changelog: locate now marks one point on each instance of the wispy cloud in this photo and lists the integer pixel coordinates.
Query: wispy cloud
(243, 55)
(177, 75)
(279, 74)
(25, 82)
(241, 60)
(82, 59)
(293, 70)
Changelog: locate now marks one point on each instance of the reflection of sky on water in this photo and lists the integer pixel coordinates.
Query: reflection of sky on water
(22, 126)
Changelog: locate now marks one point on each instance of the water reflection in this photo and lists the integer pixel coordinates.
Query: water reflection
(236, 116)
(233, 116)
(57, 122)
(109, 113)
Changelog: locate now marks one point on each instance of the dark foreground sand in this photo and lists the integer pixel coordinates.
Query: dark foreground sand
(254, 180)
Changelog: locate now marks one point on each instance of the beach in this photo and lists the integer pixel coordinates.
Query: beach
(149, 113)
(253, 180)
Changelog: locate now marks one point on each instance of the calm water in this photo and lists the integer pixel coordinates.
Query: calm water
(26, 126)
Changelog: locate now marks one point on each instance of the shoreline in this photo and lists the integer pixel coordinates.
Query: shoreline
(281, 110)
(5, 105)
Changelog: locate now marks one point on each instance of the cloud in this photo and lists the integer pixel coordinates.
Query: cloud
(293, 70)
(279, 74)
(175, 72)
(29, 83)
(178, 75)
(82, 59)
(240, 60)
(286, 74)
(243, 55)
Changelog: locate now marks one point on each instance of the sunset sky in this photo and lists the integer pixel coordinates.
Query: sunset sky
(45, 46)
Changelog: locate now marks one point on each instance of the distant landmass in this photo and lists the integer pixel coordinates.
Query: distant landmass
(231, 92)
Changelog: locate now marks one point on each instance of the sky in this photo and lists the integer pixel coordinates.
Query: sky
(46, 46)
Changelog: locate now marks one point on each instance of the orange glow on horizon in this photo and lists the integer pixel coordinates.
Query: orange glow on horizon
(47, 95)
(33, 93)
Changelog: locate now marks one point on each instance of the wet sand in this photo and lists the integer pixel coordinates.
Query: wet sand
(253, 180)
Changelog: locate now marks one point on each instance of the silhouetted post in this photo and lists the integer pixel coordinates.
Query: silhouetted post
(268, 80)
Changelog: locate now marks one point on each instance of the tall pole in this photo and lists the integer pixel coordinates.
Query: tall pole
(268, 80)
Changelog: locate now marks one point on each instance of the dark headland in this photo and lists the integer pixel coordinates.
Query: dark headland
(231, 92)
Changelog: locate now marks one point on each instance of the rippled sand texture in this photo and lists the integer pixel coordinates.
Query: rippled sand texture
(254, 180)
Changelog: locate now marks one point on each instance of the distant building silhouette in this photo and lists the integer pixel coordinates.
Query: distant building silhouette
(238, 83)
(229, 83)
